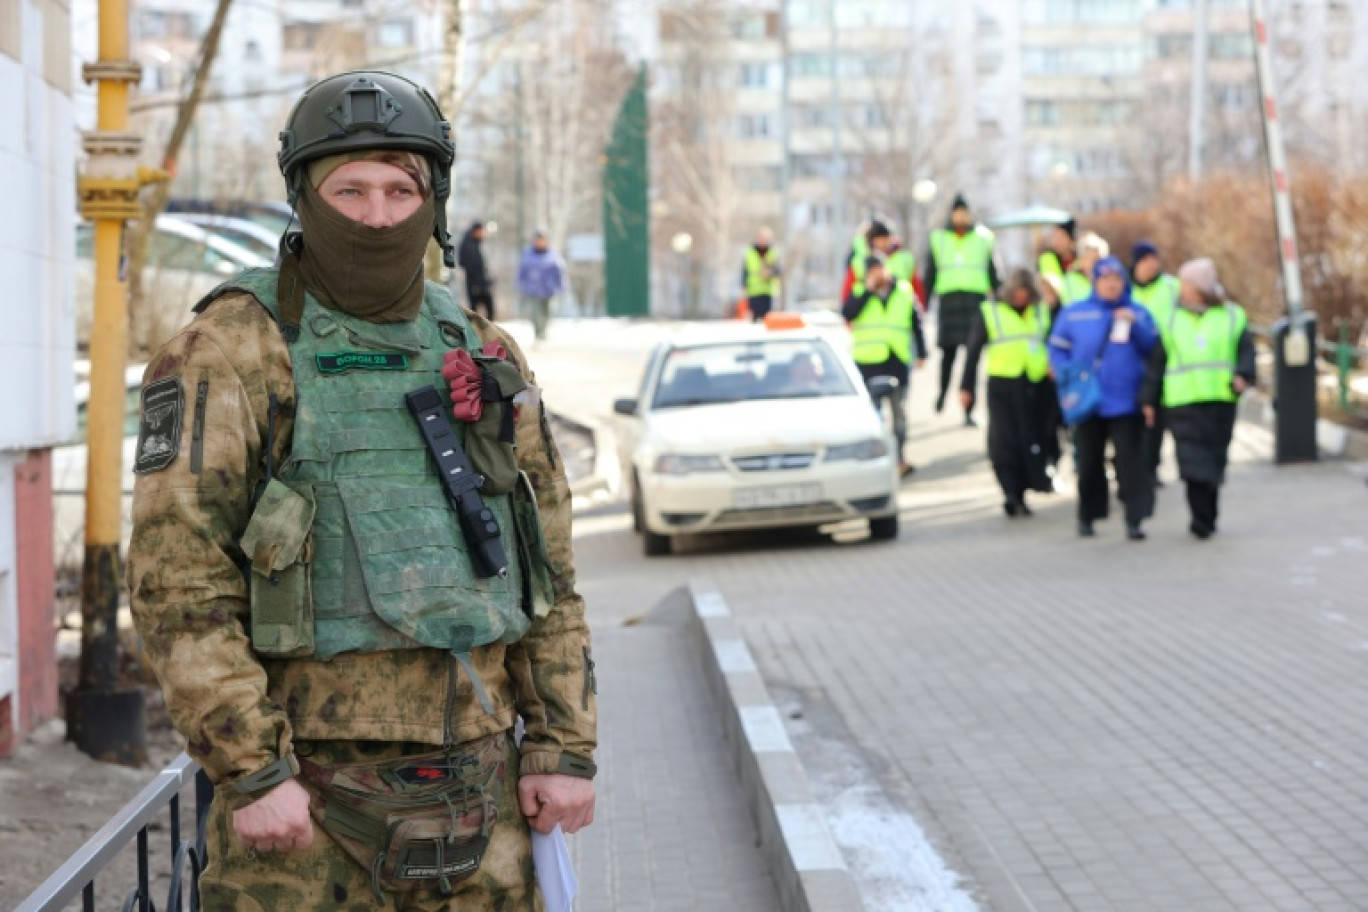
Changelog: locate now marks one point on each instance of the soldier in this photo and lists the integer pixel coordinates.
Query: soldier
(345, 635)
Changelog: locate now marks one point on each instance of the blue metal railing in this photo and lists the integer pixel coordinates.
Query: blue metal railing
(77, 875)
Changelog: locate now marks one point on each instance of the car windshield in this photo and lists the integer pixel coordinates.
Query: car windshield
(741, 371)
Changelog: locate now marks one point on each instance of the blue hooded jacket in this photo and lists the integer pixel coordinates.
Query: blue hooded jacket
(1080, 332)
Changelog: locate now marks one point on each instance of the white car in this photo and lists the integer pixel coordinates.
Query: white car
(755, 430)
(69, 472)
(185, 262)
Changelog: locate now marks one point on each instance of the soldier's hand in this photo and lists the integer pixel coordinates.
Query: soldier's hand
(547, 800)
(276, 822)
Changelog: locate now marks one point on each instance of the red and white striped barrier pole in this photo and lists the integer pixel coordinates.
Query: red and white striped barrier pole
(1294, 338)
(1277, 162)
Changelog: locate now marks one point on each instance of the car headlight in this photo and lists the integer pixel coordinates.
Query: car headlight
(864, 450)
(687, 463)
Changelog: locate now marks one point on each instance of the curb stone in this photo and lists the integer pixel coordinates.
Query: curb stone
(808, 868)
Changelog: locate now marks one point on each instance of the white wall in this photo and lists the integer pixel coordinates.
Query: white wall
(37, 240)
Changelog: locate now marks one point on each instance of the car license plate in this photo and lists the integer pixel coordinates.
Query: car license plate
(776, 496)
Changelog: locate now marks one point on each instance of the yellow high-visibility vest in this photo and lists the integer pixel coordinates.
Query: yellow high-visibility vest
(1202, 352)
(757, 283)
(962, 263)
(1016, 340)
(884, 327)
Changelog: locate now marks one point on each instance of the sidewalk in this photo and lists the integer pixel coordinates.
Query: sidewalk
(1082, 725)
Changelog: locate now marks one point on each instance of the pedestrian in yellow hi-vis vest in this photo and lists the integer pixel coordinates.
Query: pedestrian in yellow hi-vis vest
(961, 274)
(1054, 260)
(1157, 292)
(1014, 331)
(887, 335)
(760, 275)
(1198, 374)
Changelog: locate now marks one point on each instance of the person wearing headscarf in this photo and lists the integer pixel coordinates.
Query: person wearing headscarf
(1110, 333)
(961, 274)
(1013, 331)
(1205, 363)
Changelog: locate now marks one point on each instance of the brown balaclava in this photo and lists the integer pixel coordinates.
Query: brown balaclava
(375, 274)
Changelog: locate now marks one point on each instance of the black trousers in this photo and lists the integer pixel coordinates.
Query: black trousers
(1016, 412)
(482, 301)
(760, 305)
(1203, 502)
(947, 368)
(1154, 443)
(1135, 484)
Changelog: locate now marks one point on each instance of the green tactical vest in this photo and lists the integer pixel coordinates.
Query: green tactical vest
(1016, 341)
(884, 328)
(1202, 354)
(1158, 297)
(756, 283)
(962, 262)
(387, 562)
(902, 264)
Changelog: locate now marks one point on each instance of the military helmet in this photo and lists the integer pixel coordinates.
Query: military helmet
(369, 109)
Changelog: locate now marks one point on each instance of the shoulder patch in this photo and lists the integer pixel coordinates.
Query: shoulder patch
(159, 431)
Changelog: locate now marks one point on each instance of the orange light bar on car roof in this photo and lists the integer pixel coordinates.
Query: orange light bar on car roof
(783, 319)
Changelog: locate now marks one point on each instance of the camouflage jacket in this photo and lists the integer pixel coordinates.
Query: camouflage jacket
(240, 712)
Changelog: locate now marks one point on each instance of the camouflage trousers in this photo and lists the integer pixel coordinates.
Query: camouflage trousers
(323, 877)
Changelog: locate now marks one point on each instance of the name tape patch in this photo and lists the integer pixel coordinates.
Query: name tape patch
(159, 430)
(341, 362)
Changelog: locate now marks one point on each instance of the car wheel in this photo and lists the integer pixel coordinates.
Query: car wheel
(884, 528)
(655, 545)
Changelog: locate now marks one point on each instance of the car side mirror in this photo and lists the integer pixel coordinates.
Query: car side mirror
(626, 407)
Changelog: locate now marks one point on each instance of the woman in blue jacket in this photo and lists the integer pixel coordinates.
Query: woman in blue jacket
(1109, 331)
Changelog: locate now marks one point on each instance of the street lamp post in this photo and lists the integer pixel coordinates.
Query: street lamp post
(923, 194)
(681, 244)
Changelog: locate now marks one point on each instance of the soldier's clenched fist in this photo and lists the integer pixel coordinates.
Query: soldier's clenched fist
(276, 822)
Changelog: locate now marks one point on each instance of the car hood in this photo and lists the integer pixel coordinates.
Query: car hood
(764, 424)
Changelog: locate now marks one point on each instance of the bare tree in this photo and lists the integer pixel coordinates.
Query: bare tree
(692, 137)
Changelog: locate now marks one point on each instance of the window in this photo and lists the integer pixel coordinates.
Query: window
(755, 75)
(759, 179)
(1083, 60)
(740, 372)
(396, 33)
(755, 126)
(1042, 114)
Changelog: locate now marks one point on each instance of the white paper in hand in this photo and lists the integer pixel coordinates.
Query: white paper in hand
(555, 871)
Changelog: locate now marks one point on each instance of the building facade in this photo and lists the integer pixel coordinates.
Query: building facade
(37, 254)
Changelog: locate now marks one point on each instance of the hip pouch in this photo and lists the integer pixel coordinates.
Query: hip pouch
(276, 541)
(416, 823)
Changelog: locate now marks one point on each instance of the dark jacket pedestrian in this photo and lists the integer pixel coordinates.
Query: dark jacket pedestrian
(1109, 331)
(479, 284)
(1197, 374)
(1014, 332)
(961, 274)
